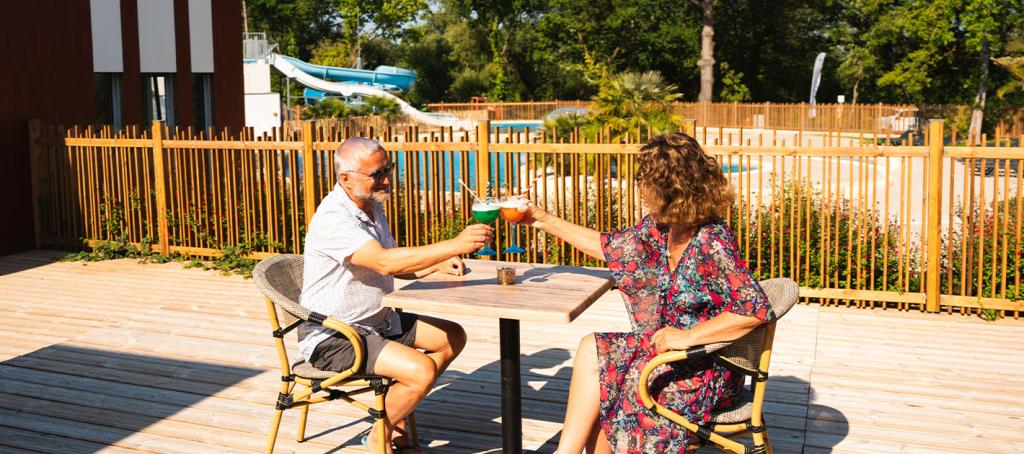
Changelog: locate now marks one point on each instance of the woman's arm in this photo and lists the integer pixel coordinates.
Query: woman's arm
(724, 327)
(585, 239)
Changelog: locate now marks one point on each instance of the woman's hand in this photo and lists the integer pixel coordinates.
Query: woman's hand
(532, 215)
(667, 339)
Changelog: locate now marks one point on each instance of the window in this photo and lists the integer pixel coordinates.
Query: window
(158, 98)
(108, 99)
(202, 100)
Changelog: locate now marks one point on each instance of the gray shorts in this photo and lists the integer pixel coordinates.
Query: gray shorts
(336, 354)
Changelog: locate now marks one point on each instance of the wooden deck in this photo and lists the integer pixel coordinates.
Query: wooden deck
(118, 357)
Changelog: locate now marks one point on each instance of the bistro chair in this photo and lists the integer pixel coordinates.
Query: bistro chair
(280, 280)
(748, 355)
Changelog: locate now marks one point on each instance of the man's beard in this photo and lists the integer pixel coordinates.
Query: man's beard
(381, 197)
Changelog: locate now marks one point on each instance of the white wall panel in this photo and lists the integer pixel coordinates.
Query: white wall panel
(200, 35)
(156, 36)
(105, 16)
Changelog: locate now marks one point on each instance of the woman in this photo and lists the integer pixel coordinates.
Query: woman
(684, 285)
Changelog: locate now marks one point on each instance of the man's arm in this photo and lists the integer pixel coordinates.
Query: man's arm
(419, 261)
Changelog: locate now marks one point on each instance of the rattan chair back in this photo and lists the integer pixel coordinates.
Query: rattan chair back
(745, 353)
(280, 279)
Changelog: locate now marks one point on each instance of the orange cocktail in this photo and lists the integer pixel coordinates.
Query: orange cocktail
(510, 208)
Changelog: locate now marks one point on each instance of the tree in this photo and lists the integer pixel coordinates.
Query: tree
(327, 108)
(367, 19)
(636, 102)
(707, 48)
(381, 105)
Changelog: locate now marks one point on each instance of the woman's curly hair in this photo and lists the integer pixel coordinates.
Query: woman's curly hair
(679, 183)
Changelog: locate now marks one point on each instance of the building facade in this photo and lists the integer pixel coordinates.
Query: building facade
(110, 62)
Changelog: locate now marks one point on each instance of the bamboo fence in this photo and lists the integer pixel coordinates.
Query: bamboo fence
(867, 118)
(854, 218)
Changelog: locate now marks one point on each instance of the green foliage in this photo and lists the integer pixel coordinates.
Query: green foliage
(233, 260)
(336, 108)
(733, 89)
(380, 105)
(562, 127)
(333, 53)
(469, 83)
(976, 251)
(884, 51)
(113, 250)
(835, 241)
(988, 314)
(633, 102)
(327, 108)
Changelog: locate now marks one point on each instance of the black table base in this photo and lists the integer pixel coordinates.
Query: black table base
(511, 394)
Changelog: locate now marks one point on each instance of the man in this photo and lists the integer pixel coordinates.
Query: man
(350, 261)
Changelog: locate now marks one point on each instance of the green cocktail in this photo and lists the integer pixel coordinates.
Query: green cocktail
(486, 212)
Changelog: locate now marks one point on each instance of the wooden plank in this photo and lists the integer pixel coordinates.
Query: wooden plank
(171, 350)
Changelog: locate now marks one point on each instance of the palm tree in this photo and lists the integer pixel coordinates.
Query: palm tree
(1015, 65)
(634, 103)
(383, 106)
(327, 108)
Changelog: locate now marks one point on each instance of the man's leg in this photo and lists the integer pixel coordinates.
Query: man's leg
(443, 340)
(413, 373)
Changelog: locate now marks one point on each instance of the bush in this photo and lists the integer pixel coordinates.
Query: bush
(832, 243)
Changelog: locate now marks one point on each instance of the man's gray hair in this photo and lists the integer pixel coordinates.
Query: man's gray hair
(351, 151)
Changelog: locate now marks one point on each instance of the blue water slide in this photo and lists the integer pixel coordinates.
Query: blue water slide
(388, 78)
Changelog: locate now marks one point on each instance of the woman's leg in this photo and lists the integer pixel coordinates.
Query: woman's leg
(598, 442)
(584, 400)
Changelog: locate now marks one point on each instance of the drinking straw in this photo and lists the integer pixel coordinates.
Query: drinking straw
(463, 183)
(530, 186)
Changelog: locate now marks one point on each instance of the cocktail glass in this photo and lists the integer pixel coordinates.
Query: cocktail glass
(486, 212)
(510, 212)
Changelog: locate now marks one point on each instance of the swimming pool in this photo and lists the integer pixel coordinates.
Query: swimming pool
(517, 125)
(736, 168)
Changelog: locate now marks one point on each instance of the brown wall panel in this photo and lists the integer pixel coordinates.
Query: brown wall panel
(51, 79)
(228, 92)
(131, 84)
(47, 43)
(183, 62)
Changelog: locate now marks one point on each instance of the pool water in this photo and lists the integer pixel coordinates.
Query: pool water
(517, 125)
(736, 168)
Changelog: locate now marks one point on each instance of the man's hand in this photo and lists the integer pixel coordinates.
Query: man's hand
(532, 215)
(453, 266)
(472, 238)
(667, 339)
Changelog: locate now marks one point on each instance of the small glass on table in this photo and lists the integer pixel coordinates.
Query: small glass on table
(486, 212)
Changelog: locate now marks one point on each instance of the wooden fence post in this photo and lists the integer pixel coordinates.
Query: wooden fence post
(36, 169)
(160, 183)
(308, 172)
(935, 151)
(483, 158)
(690, 127)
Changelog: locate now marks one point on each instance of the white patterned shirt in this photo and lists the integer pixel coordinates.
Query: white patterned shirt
(331, 284)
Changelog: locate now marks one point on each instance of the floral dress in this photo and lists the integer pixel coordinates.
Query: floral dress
(710, 278)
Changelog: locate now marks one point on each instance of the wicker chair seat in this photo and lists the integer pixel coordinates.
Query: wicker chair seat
(306, 370)
(740, 412)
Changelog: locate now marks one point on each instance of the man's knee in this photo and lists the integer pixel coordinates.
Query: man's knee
(418, 372)
(456, 338)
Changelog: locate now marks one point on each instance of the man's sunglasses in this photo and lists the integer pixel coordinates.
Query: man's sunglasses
(378, 174)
